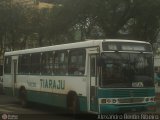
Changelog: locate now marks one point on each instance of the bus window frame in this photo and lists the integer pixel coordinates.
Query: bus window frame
(60, 67)
(80, 69)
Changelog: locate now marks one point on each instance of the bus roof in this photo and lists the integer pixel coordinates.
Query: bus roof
(84, 44)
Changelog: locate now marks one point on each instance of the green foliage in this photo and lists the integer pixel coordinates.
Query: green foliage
(146, 14)
(75, 20)
(140, 18)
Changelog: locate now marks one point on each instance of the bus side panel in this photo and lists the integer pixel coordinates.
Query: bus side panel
(52, 99)
(53, 90)
(83, 103)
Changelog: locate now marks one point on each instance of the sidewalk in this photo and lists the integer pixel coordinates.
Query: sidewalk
(7, 99)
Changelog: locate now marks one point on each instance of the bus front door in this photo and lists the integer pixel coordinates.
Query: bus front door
(93, 84)
(14, 73)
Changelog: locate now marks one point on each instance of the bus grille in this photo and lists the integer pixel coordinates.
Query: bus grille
(130, 93)
(131, 100)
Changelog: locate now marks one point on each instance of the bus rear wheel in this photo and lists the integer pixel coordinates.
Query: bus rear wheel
(73, 103)
(23, 97)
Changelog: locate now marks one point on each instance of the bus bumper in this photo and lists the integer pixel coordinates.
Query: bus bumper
(106, 108)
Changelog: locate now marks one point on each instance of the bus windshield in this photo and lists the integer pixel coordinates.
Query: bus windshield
(122, 69)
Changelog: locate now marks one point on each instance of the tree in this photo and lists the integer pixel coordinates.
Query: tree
(22, 25)
(4, 20)
(146, 15)
(139, 17)
(18, 23)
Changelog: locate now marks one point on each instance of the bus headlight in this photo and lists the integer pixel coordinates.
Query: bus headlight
(108, 101)
(147, 99)
(150, 99)
(114, 100)
(103, 101)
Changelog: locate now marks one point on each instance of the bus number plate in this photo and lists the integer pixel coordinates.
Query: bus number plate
(137, 84)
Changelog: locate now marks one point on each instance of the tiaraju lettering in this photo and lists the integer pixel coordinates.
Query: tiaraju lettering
(53, 84)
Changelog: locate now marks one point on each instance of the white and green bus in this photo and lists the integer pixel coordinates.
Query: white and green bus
(95, 76)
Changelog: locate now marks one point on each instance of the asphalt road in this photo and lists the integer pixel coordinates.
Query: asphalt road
(10, 106)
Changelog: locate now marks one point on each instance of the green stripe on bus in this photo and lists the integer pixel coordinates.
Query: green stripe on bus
(47, 98)
(119, 92)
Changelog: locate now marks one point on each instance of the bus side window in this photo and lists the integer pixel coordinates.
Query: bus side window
(77, 62)
(47, 63)
(7, 65)
(35, 63)
(24, 64)
(61, 63)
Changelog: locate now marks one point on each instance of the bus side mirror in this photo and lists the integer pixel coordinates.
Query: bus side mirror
(100, 61)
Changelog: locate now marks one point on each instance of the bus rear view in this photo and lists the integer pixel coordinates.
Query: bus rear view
(126, 77)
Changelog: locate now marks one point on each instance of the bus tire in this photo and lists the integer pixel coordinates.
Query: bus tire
(73, 103)
(23, 97)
